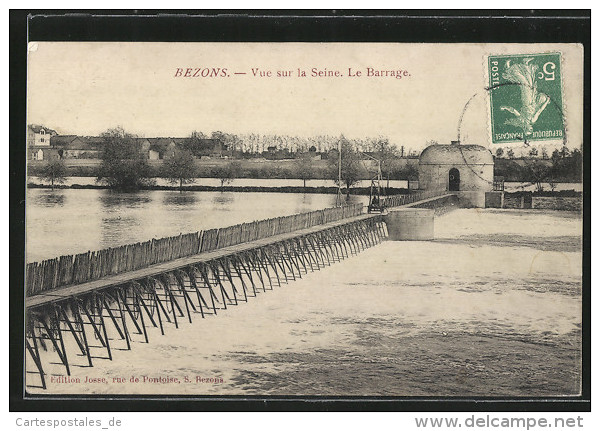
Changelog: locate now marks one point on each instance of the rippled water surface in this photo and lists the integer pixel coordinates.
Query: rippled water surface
(492, 307)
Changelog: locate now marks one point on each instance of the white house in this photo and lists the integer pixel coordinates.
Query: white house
(39, 136)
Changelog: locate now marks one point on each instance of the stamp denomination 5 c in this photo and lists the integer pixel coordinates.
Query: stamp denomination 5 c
(525, 97)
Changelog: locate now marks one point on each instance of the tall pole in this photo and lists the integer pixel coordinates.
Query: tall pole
(338, 200)
(379, 177)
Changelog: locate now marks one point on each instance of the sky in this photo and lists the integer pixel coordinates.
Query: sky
(87, 88)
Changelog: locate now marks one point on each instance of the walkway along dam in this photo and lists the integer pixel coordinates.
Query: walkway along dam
(106, 299)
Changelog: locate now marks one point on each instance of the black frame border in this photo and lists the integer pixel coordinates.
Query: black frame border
(446, 26)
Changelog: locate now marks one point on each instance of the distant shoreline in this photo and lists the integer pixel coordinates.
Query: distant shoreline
(361, 191)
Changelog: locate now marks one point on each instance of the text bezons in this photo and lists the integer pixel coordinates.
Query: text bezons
(222, 72)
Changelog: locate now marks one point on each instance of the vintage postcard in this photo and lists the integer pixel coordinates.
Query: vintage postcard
(304, 219)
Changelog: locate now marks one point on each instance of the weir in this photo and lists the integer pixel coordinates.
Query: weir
(113, 296)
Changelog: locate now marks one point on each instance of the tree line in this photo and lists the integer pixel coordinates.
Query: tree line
(125, 167)
(563, 165)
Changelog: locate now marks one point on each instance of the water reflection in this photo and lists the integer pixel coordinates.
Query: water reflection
(180, 199)
(307, 198)
(72, 221)
(115, 229)
(110, 199)
(50, 199)
(223, 199)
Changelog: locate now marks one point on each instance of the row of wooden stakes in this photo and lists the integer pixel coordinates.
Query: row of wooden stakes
(73, 269)
(399, 200)
(78, 330)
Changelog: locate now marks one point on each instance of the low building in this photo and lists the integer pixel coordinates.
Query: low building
(42, 152)
(466, 169)
(38, 143)
(39, 136)
(78, 147)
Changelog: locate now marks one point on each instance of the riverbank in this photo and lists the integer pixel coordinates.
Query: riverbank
(245, 168)
(358, 191)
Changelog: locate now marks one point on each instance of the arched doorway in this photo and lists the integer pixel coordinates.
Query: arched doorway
(454, 180)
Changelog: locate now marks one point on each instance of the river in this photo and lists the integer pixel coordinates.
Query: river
(491, 307)
(70, 221)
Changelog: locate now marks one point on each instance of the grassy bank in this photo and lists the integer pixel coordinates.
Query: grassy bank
(361, 191)
(249, 168)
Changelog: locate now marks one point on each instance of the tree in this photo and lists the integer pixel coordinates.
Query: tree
(510, 153)
(54, 171)
(198, 144)
(227, 172)
(387, 154)
(304, 166)
(533, 152)
(410, 172)
(180, 168)
(123, 166)
(567, 165)
(538, 171)
(350, 172)
(499, 152)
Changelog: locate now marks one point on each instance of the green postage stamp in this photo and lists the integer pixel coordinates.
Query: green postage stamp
(525, 97)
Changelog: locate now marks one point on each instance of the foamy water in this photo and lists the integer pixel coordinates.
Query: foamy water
(453, 316)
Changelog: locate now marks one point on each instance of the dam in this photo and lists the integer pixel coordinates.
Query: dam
(96, 310)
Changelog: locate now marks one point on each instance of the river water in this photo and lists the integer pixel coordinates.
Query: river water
(70, 221)
(491, 307)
